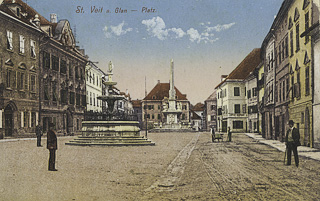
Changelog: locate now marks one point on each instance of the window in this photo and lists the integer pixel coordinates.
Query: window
(244, 108)
(159, 116)
(33, 48)
(32, 83)
(78, 99)
(237, 108)
(21, 44)
(291, 43)
(54, 92)
(249, 94)
(212, 107)
(236, 91)
(307, 81)
(63, 67)
(9, 40)
(55, 63)
(219, 111)
(93, 78)
(297, 38)
(70, 69)
(237, 124)
(302, 117)
(46, 91)
(64, 96)
(90, 98)
(286, 47)
(183, 117)
(306, 26)
(213, 118)
(292, 87)
(280, 91)
(33, 119)
(94, 99)
(83, 97)
(25, 119)
(283, 50)
(283, 91)
(71, 98)
(46, 60)
(20, 80)
(152, 116)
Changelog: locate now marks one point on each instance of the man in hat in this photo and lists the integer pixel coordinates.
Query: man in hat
(52, 146)
(292, 142)
(38, 134)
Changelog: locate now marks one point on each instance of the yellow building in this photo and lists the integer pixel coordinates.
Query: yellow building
(300, 106)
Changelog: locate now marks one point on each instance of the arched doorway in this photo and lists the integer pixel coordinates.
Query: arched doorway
(8, 116)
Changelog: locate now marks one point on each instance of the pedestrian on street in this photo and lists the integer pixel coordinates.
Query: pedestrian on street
(39, 134)
(52, 146)
(229, 134)
(213, 134)
(292, 142)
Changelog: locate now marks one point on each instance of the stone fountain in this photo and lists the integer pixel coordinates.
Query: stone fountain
(110, 132)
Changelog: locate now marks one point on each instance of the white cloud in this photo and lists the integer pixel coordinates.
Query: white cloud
(194, 35)
(156, 27)
(116, 30)
(220, 27)
(179, 32)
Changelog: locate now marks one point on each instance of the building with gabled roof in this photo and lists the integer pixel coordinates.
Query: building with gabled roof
(155, 102)
(210, 112)
(232, 94)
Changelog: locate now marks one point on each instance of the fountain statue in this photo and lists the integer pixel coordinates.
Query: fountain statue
(110, 132)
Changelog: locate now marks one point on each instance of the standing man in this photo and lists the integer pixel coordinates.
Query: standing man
(39, 134)
(229, 134)
(213, 134)
(292, 142)
(52, 146)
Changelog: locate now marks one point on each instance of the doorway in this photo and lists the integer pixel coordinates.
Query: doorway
(8, 124)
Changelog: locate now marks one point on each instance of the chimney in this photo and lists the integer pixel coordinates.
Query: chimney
(223, 77)
(127, 91)
(53, 18)
(158, 81)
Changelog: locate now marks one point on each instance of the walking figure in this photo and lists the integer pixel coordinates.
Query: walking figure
(39, 134)
(213, 134)
(229, 134)
(52, 146)
(292, 142)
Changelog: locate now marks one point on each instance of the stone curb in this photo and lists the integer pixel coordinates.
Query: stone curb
(302, 150)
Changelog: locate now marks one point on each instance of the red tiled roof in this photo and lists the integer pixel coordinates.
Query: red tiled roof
(25, 9)
(195, 116)
(198, 107)
(137, 103)
(161, 90)
(247, 66)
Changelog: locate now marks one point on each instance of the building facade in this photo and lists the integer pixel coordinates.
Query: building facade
(94, 76)
(252, 102)
(210, 112)
(62, 77)
(20, 37)
(300, 69)
(232, 96)
(154, 104)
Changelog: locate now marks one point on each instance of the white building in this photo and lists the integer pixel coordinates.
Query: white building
(252, 102)
(231, 96)
(94, 77)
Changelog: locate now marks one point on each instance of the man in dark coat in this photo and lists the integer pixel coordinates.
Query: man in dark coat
(213, 134)
(52, 146)
(38, 134)
(292, 142)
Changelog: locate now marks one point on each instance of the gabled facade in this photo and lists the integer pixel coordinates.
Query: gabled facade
(199, 109)
(300, 68)
(232, 96)
(20, 38)
(210, 112)
(260, 86)
(156, 101)
(94, 76)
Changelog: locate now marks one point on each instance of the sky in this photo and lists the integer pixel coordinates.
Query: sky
(205, 38)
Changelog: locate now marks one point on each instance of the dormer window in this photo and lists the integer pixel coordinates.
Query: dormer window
(18, 12)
